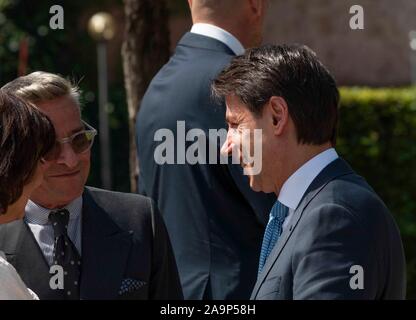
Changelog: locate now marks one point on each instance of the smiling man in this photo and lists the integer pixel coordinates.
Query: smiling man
(329, 235)
(110, 245)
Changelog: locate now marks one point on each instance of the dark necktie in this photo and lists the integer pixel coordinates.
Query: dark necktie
(65, 254)
(273, 231)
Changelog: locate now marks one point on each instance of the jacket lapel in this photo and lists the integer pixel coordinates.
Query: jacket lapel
(23, 252)
(334, 170)
(105, 250)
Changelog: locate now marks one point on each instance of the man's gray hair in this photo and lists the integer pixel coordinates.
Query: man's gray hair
(42, 86)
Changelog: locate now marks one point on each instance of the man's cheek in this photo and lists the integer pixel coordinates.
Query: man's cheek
(252, 151)
(236, 143)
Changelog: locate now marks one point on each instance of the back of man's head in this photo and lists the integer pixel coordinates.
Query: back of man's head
(42, 86)
(242, 18)
(214, 9)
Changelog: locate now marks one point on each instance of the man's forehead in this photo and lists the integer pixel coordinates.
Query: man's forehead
(64, 113)
(59, 102)
(63, 106)
(235, 108)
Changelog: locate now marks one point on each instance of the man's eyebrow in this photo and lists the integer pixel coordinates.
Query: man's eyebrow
(78, 130)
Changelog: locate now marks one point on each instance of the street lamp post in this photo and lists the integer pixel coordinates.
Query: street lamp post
(101, 28)
(412, 39)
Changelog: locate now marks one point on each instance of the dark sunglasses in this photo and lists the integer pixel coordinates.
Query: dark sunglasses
(80, 142)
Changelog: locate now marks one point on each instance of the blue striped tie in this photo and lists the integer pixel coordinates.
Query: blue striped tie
(273, 231)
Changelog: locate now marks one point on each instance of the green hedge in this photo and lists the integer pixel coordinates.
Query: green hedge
(377, 136)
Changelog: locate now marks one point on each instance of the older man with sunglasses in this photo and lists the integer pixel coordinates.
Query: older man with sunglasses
(78, 242)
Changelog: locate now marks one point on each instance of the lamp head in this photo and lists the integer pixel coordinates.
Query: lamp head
(101, 26)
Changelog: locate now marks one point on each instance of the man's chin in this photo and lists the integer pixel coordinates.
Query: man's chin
(254, 185)
(70, 194)
(56, 196)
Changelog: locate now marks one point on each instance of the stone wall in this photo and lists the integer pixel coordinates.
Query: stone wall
(376, 56)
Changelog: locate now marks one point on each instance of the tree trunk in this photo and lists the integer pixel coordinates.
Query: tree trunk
(145, 49)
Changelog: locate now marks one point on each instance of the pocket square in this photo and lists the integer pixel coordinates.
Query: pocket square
(130, 285)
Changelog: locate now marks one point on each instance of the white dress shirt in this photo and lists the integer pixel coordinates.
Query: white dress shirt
(295, 187)
(37, 220)
(11, 286)
(219, 34)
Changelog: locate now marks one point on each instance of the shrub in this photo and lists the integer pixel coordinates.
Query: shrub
(377, 136)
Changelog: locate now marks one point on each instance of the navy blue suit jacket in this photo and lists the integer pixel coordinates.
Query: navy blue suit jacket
(341, 243)
(214, 220)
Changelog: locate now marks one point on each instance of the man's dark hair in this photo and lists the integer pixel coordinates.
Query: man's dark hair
(294, 73)
(26, 135)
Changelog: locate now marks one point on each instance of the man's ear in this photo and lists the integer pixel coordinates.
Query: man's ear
(279, 113)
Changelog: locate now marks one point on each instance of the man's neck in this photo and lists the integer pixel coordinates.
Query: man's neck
(50, 205)
(229, 27)
(297, 158)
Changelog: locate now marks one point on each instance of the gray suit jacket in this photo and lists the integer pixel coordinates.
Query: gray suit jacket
(339, 223)
(123, 239)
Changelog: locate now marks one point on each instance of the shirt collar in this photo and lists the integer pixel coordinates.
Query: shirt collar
(219, 34)
(37, 214)
(295, 187)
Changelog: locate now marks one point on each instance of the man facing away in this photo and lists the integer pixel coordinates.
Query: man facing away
(329, 235)
(214, 220)
(108, 245)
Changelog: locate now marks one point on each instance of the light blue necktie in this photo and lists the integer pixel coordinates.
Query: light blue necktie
(273, 231)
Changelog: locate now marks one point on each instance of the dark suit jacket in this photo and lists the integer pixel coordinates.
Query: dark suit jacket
(214, 220)
(339, 223)
(123, 237)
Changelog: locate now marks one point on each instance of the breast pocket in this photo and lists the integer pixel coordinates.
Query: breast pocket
(141, 293)
(270, 289)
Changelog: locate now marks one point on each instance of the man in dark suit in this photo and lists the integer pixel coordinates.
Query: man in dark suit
(214, 220)
(329, 235)
(84, 243)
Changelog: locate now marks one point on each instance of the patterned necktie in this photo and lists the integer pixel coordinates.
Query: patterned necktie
(65, 254)
(273, 231)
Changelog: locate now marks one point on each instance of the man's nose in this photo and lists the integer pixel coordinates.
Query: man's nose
(228, 145)
(68, 156)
